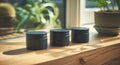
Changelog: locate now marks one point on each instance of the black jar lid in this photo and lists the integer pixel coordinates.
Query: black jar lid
(59, 30)
(37, 33)
(80, 29)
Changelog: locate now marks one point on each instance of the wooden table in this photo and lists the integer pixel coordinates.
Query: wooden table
(99, 50)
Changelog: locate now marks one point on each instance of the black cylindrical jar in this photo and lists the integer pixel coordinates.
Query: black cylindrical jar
(59, 37)
(80, 35)
(36, 40)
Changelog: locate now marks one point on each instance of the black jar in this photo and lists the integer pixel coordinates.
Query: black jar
(36, 40)
(59, 37)
(80, 35)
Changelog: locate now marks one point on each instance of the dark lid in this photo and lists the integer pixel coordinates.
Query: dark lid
(37, 33)
(80, 28)
(59, 30)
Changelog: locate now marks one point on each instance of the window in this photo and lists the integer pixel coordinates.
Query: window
(90, 4)
(87, 14)
(72, 13)
(78, 14)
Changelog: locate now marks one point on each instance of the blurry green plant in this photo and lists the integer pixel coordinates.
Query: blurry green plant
(107, 5)
(40, 12)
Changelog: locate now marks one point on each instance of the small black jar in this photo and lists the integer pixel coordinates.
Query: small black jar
(36, 40)
(59, 37)
(80, 35)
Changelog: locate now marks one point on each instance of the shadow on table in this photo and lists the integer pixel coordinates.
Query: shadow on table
(17, 51)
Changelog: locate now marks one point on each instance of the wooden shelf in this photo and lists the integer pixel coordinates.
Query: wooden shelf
(99, 50)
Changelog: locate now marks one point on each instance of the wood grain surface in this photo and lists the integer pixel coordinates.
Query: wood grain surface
(100, 50)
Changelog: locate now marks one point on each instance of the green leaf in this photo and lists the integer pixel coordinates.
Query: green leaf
(20, 25)
(39, 26)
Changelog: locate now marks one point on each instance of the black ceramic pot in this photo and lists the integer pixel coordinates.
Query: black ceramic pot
(80, 35)
(36, 40)
(59, 37)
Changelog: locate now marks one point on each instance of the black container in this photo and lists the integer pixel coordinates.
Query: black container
(36, 40)
(59, 37)
(80, 35)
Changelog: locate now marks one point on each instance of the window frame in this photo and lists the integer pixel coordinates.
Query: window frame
(72, 13)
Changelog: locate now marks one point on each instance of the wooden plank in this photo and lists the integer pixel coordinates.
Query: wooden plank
(69, 55)
(104, 56)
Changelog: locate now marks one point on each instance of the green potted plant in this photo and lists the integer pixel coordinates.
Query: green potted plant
(107, 20)
(37, 14)
(7, 16)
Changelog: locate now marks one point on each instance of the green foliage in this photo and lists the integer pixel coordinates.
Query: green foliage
(39, 12)
(118, 3)
(7, 9)
(109, 5)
